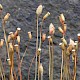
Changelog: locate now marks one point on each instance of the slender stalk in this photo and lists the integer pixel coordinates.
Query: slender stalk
(40, 48)
(36, 50)
(11, 66)
(19, 64)
(30, 66)
(49, 59)
(11, 54)
(7, 48)
(15, 76)
(52, 59)
(23, 56)
(66, 73)
(38, 67)
(75, 69)
(3, 25)
(24, 52)
(2, 76)
(41, 76)
(62, 66)
(75, 66)
(2, 71)
(61, 76)
(11, 74)
(51, 53)
(40, 34)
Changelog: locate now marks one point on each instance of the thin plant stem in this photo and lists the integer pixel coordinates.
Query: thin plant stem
(23, 56)
(11, 65)
(40, 48)
(36, 50)
(62, 66)
(61, 76)
(66, 74)
(19, 64)
(2, 71)
(15, 76)
(40, 34)
(3, 25)
(2, 76)
(24, 52)
(75, 66)
(11, 74)
(52, 59)
(49, 59)
(38, 67)
(30, 66)
(41, 76)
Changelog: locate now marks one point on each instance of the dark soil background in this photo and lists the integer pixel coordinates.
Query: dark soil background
(23, 15)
